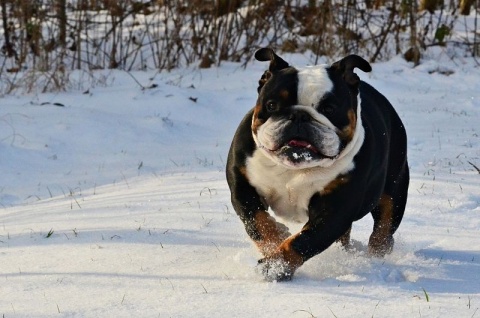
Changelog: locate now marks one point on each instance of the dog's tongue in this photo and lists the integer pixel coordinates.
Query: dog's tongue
(301, 144)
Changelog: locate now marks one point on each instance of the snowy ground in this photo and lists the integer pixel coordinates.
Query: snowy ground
(116, 205)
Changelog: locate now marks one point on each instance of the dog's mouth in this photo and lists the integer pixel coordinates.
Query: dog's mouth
(302, 145)
(299, 152)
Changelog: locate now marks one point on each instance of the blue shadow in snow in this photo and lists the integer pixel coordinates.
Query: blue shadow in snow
(460, 271)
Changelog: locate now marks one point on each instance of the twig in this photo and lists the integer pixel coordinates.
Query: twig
(476, 168)
(141, 86)
(306, 311)
(332, 312)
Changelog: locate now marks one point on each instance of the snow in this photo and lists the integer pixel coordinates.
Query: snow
(116, 204)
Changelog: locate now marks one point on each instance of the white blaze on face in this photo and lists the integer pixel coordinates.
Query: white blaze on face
(313, 84)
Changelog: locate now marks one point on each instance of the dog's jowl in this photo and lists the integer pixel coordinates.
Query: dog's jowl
(319, 147)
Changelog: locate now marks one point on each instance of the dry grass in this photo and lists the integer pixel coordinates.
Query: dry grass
(45, 40)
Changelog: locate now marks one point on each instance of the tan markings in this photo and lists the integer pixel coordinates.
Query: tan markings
(272, 233)
(289, 255)
(349, 131)
(380, 241)
(243, 171)
(386, 211)
(256, 122)
(284, 94)
(335, 183)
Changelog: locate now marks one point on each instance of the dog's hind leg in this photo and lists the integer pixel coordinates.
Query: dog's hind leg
(388, 214)
(381, 240)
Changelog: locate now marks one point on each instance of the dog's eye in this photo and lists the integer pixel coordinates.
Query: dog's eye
(271, 106)
(327, 109)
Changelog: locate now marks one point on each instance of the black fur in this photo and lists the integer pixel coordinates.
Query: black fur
(378, 184)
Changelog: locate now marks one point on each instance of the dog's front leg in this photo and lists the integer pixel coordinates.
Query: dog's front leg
(272, 233)
(327, 223)
(262, 228)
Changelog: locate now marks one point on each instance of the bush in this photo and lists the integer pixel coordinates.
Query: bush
(52, 37)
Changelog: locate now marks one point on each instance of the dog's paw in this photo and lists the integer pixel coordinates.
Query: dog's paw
(380, 247)
(275, 269)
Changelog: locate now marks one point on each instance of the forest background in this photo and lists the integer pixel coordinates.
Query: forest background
(43, 41)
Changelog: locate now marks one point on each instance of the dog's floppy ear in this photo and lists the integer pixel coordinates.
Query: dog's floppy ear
(346, 65)
(265, 77)
(276, 64)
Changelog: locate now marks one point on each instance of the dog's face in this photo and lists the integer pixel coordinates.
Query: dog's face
(306, 117)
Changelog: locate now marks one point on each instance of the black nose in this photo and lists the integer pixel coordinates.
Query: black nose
(299, 116)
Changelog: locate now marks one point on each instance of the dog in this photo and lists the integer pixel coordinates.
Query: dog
(323, 148)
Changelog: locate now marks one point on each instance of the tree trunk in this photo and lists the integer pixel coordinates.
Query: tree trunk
(6, 31)
(62, 20)
(413, 9)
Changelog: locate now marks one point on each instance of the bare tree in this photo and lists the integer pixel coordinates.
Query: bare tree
(8, 47)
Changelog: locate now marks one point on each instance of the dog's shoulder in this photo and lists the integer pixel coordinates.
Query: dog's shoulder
(243, 144)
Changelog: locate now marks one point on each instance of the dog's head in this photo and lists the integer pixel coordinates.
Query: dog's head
(307, 117)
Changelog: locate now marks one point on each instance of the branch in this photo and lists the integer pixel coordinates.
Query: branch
(476, 168)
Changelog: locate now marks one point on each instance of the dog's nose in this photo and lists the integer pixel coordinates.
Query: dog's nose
(299, 116)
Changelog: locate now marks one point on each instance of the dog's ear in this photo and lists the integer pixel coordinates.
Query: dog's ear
(346, 65)
(265, 77)
(276, 64)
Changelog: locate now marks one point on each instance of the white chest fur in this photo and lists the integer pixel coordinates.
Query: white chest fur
(288, 191)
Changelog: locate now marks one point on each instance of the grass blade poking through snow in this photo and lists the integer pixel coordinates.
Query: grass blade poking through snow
(49, 234)
(426, 295)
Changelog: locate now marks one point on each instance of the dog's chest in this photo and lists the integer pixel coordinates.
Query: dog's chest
(287, 191)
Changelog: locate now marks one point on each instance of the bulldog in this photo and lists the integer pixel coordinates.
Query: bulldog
(323, 148)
